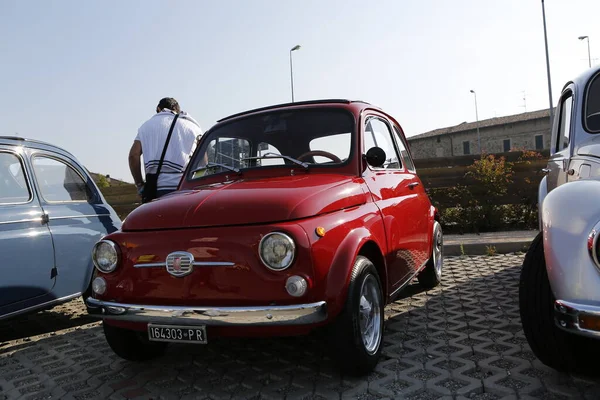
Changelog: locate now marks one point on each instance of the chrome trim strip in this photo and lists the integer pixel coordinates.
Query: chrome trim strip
(196, 264)
(48, 303)
(20, 221)
(298, 314)
(79, 216)
(405, 284)
(566, 317)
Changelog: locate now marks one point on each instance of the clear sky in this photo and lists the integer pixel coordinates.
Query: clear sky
(86, 74)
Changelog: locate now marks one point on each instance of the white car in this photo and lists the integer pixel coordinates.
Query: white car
(559, 294)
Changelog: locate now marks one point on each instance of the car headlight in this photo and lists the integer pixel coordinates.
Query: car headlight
(277, 251)
(105, 256)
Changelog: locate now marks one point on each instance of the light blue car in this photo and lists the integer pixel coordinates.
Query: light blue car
(51, 215)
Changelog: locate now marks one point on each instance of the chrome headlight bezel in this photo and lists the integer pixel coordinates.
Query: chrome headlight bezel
(112, 266)
(292, 249)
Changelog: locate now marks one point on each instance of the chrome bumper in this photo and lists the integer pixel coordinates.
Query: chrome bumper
(300, 314)
(568, 315)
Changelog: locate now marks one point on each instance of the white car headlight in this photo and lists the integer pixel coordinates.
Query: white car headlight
(277, 251)
(105, 256)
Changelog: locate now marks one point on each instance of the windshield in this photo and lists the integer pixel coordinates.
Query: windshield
(296, 138)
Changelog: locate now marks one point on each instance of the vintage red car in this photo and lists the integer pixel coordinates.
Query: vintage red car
(288, 218)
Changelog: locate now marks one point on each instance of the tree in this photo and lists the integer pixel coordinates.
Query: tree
(102, 182)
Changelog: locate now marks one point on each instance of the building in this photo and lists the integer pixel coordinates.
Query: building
(530, 130)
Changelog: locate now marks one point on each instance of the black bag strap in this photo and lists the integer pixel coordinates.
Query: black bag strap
(162, 157)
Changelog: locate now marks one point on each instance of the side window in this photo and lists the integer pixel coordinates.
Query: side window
(13, 185)
(405, 155)
(564, 127)
(58, 181)
(377, 133)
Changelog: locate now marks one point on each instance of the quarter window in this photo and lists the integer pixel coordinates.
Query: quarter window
(405, 154)
(13, 184)
(377, 134)
(592, 106)
(564, 127)
(59, 182)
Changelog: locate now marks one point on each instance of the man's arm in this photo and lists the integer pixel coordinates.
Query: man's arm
(135, 164)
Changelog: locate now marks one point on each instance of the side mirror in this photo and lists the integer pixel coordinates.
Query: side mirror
(375, 156)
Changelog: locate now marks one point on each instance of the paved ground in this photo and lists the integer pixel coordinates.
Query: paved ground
(461, 340)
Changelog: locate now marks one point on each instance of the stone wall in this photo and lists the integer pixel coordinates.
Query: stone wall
(521, 134)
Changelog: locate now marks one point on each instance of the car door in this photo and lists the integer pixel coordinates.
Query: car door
(558, 163)
(77, 218)
(394, 190)
(26, 251)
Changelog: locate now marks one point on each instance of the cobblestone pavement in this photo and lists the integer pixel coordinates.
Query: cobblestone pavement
(461, 340)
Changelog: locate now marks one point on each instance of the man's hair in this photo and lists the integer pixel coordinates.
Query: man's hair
(170, 103)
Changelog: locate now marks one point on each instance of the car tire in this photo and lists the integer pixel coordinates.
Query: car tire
(431, 276)
(132, 345)
(554, 347)
(355, 342)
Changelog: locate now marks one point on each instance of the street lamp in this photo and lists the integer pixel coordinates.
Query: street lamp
(296, 47)
(588, 43)
(477, 118)
(547, 63)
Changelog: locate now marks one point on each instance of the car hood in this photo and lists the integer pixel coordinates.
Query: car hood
(249, 201)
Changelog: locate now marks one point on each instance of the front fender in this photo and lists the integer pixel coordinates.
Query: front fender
(569, 213)
(338, 278)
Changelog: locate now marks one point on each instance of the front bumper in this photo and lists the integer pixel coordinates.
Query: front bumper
(581, 319)
(298, 314)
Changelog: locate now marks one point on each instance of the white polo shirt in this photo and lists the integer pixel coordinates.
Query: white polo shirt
(153, 135)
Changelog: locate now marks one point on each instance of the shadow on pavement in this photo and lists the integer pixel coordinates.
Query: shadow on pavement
(463, 338)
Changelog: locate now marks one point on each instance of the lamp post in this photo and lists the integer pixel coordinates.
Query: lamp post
(588, 43)
(477, 118)
(296, 47)
(547, 64)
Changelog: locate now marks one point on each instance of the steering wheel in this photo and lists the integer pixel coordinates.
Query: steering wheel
(321, 153)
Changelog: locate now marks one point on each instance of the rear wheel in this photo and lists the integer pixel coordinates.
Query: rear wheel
(132, 345)
(431, 276)
(554, 347)
(357, 333)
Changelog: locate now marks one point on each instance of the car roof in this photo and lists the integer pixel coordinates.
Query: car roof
(360, 103)
(32, 143)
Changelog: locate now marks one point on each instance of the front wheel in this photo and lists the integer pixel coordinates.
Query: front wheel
(132, 345)
(357, 333)
(554, 347)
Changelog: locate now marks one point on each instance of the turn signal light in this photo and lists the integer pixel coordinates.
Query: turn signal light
(320, 231)
(589, 322)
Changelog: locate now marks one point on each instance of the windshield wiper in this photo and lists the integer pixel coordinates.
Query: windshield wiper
(274, 155)
(213, 165)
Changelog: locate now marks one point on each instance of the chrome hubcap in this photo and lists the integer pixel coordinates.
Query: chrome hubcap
(370, 314)
(438, 249)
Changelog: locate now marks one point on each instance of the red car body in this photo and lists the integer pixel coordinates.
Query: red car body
(333, 213)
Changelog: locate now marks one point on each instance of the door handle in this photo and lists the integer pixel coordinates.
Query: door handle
(412, 185)
(545, 170)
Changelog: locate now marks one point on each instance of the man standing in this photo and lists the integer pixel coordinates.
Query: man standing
(151, 139)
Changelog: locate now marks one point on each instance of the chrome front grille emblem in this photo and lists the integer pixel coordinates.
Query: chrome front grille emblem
(180, 263)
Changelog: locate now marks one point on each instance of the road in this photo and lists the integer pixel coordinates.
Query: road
(460, 340)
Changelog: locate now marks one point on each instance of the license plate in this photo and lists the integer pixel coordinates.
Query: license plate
(178, 334)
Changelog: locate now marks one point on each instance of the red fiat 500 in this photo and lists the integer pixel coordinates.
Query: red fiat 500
(288, 218)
